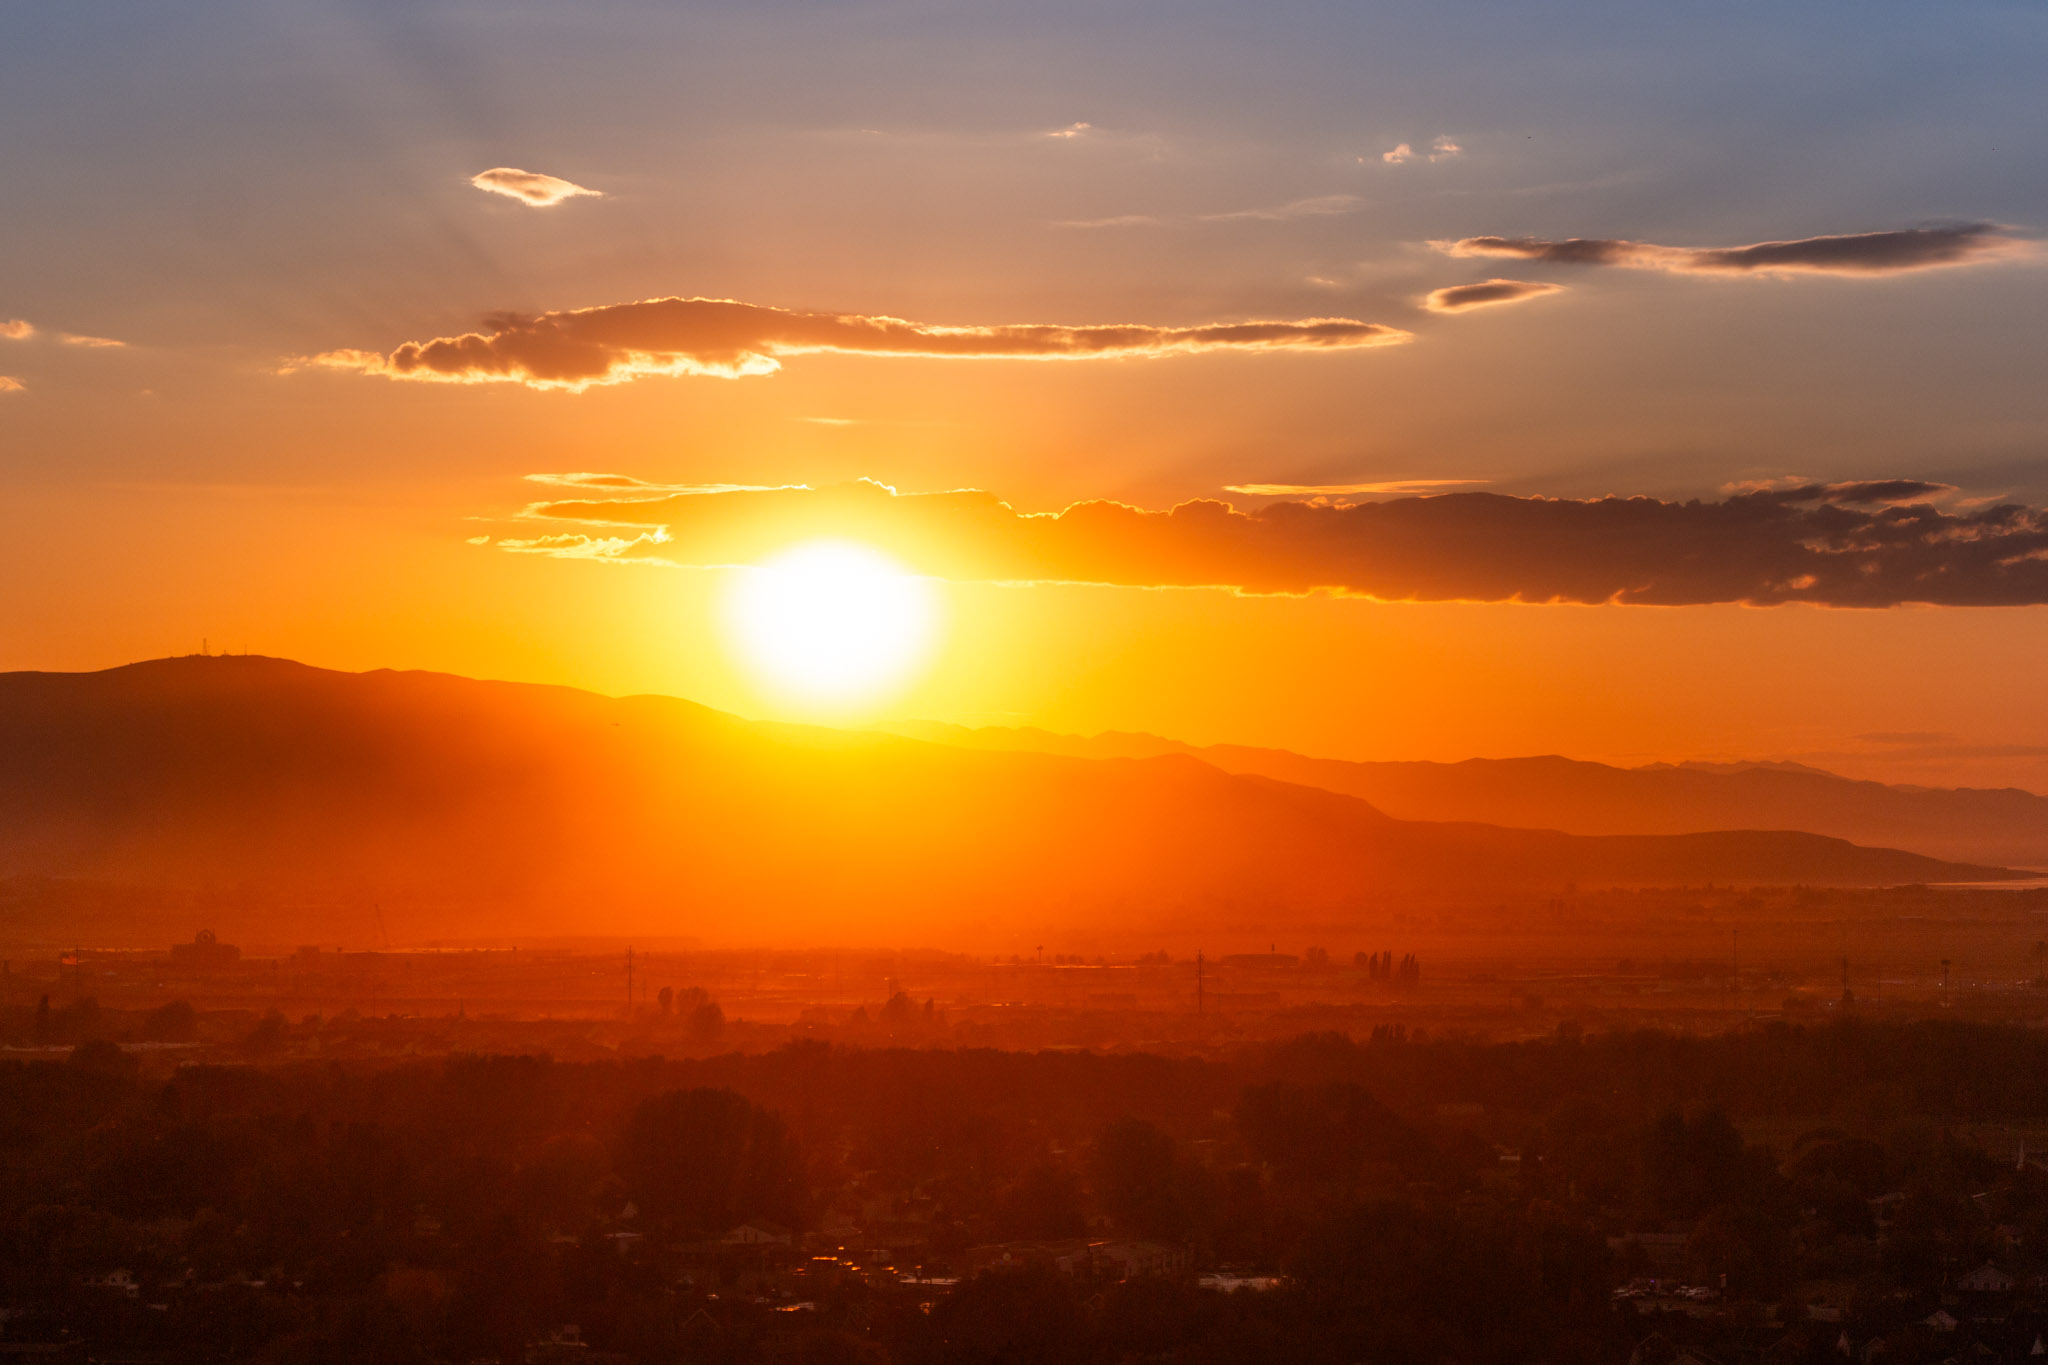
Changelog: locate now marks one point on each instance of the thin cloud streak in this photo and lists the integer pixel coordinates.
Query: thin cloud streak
(723, 338)
(1339, 490)
(1462, 298)
(1875, 543)
(1886, 491)
(93, 343)
(530, 187)
(1317, 206)
(1851, 254)
(15, 329)
(604, 549)
(1121, 220)
(9, 384)
(627, 486)
(624, 483)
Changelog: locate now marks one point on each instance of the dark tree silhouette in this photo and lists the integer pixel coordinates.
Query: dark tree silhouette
(706, 1160)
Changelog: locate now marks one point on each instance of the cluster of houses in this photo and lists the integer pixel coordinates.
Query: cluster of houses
(898, 1252)
(778, 1269)
(1084, 1259)
(1986, 1316)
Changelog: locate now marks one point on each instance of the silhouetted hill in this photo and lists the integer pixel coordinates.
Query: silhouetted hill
(1989, 825)
(500, 807)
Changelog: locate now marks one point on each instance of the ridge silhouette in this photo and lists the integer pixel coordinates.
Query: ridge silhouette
(509, 806)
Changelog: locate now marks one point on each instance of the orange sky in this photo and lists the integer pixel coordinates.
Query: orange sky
(1835, 282)
(377, 584)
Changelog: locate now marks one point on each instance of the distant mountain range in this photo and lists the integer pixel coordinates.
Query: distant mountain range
(495, 808)
(1985, 825)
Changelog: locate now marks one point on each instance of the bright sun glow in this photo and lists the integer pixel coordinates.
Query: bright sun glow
(831, 622)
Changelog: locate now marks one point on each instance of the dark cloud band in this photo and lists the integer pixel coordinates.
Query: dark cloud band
(1869, 544)
(1859, 253)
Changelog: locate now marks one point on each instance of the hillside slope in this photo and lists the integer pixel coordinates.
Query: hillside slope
(495, 805)
(1984, 825)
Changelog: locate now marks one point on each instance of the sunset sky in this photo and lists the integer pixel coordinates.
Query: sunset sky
(1632, 382)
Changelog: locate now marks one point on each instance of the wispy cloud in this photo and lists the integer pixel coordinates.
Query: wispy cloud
(950, 134)
(1858, 253)
(9, 384)
(616, 343)
(1460, 298)
(530, 187)
(1846, 544)
(1317, 206)
(626, 486)
(1442, 149)
(1313, 206)
(642, 549)
(1853, 492)
(17, 329)
(622, 483)
(1121, 220)
(1335, 490)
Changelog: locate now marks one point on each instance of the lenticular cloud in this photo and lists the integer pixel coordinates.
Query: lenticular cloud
(1460, 298)
(530, 187)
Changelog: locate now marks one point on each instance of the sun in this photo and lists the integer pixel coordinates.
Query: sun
(831, 623)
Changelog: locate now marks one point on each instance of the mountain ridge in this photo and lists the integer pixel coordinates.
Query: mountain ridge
(2002, 825)
(568, 811)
